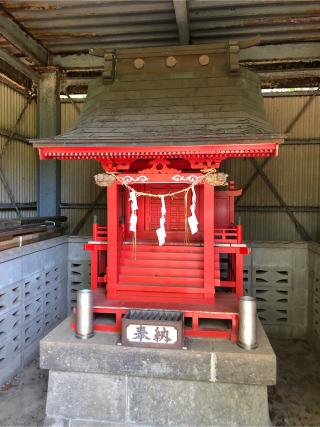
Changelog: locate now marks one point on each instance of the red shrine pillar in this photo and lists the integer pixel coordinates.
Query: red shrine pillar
(208, 240)
(113, 215)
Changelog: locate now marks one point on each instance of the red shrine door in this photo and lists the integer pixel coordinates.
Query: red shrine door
(149, 213)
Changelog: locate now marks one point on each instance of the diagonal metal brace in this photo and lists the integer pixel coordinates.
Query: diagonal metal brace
(299, 227)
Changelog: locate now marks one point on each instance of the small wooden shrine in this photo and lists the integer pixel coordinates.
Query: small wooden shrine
(160, 121)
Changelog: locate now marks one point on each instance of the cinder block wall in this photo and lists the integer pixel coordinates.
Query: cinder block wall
(277, 274)
(314, 298)
(33, 300)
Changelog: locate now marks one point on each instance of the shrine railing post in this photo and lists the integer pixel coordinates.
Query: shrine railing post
(113, 230)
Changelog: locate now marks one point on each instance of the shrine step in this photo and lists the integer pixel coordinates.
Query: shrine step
(161, 263)
(165, 255)
(165, 248)
(172, 267)
(161, 280)
(159, 272)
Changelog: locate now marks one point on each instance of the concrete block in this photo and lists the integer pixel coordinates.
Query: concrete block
(270, 257)
(57, 422)
(10, 272)
(316, 284)
(32, 331)
(32, 263)
(32, 308)
(268, 314)
(51, 276)
(55, 255)
(279, 296)
(30, 352)
(299, 298)
(247, 260)
(300, 278)
(187, 403)
(316, 265)
(10, 297)
(300, 258)
(278, 331)
(95, 423)
(32, 286)
(61, 351)
(79, 270)
(10, 323)
(247, 278)
(82, 395)
(271, 276)
(9, 349)
(76, 250)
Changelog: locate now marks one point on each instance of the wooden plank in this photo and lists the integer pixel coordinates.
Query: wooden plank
(29, 238)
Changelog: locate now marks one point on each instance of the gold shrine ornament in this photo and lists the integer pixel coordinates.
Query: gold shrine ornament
(217, 179)
(104, 180)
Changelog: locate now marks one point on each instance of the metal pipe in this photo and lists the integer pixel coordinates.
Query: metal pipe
(84, 314)
(247, 323)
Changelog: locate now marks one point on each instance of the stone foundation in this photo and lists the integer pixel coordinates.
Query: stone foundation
(212, 383)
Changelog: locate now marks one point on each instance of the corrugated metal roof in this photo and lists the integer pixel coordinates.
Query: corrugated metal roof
(75, 26)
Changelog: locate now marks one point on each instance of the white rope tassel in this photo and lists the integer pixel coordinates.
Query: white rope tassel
(192, 220)
(134, 207)
(161, 232)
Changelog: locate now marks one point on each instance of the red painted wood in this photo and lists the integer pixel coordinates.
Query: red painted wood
(162, 263)
(113, 228)
(155, 248)
(167, 272)
(141, 256)
(163, 276)
(208, 240)
(160, 279)
(215, 153)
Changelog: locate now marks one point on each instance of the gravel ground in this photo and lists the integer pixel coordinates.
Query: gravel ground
(294, 401)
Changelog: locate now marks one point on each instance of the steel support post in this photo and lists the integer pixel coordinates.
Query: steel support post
(49, 176)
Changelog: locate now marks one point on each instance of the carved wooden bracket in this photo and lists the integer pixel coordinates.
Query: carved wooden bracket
(160, 166)
(109, 66)
(233, 53)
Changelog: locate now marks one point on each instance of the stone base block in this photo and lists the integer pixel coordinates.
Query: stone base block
(213, 383)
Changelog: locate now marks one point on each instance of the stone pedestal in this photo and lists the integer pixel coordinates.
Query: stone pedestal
(212, 383)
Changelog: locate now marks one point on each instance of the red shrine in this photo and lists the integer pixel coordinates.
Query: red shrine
(158, 121)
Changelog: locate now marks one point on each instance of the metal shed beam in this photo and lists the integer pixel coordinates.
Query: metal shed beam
(281, 52)
(182, 18)
(18, 65)
(20, 39)
(49, 180)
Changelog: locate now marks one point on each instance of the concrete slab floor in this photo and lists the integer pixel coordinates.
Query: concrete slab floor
(294, 401)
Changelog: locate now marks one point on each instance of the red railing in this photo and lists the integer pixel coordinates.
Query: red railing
(100, 232)
(228, 235)
(221, 235)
